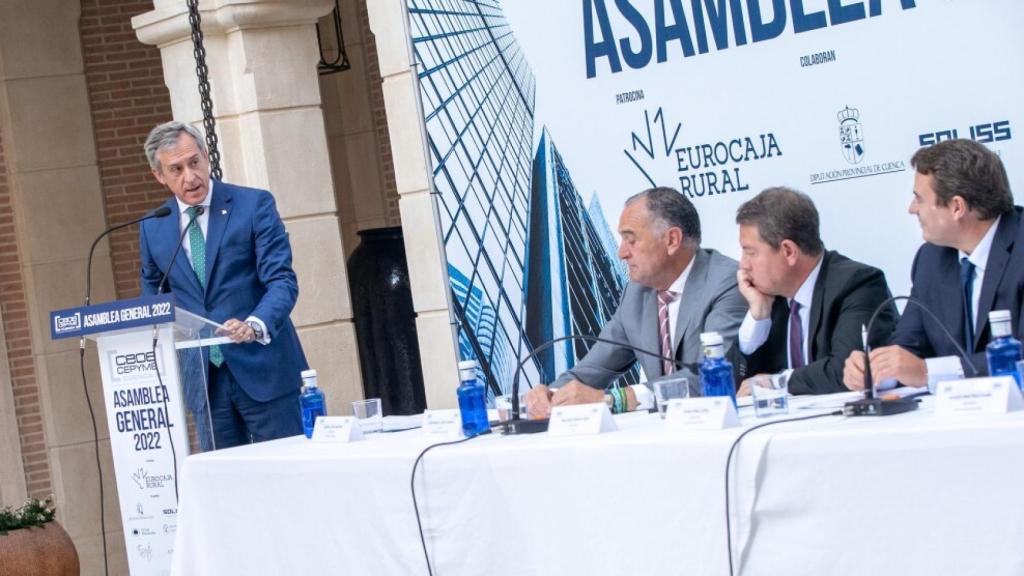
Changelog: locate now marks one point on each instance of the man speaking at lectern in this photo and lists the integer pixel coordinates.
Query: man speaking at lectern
(235, 269)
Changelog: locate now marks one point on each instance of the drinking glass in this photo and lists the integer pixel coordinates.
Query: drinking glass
(771, 394)
(368, 414)
(670, 388)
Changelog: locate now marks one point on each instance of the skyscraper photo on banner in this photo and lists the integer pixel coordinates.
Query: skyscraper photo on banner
(543, 116)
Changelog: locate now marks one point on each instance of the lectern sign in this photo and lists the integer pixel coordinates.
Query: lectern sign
(142, 417)
(153, 369)
(118, 315)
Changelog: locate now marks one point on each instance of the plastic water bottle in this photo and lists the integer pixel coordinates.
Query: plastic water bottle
(311, 400)
(715, 371)
(1003, 352)
(472, 401)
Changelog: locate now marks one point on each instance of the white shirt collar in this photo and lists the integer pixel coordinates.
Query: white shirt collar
(680, 282)
(805, 294)
(980, 255)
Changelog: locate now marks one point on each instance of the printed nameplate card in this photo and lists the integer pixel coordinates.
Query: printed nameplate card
(445, 424)
(708, 413)
(992, 395)
(581, 419)
(337, 429)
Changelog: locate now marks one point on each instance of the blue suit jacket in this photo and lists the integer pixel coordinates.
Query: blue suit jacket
(249, 272)
(936, 278)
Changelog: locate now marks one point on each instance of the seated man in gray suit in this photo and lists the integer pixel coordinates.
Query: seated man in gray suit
(677, 290)
(807, 304)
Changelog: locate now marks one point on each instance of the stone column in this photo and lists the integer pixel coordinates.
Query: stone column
(54, 184)
(427, 265)
(262, 57)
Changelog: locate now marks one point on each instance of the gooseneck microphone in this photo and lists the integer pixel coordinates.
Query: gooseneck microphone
(517, 425)
(871, 405)
(163, 281)
(160, 212)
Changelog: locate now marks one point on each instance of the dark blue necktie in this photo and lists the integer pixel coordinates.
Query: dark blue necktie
(967, 281)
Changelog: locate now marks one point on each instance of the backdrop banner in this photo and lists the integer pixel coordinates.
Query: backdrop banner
(543, 117)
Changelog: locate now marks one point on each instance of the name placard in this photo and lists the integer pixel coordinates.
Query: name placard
(337, 429)
(708, 413)
(581, 419)
(444, 424)
(992, 395)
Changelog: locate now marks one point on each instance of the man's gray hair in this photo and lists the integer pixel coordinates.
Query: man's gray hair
(671, 209)
(166, 135)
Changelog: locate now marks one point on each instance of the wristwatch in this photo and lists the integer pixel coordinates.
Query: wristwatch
(256, 329)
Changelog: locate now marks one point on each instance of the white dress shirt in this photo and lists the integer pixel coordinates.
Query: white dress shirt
(754, 333)
(644, 395)
(950, 367)
(203, 219)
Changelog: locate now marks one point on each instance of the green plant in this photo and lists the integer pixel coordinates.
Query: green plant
(34, 512)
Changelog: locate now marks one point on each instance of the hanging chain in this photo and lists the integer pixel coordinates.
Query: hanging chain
(209, 123)
(340, 62)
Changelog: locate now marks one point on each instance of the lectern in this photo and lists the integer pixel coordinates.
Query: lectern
(153, 359)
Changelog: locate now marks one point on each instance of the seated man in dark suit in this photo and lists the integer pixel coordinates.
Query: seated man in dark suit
(676, 291)
(807, 305)
(972, 263)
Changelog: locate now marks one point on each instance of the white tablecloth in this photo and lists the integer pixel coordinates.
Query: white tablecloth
(905, 495)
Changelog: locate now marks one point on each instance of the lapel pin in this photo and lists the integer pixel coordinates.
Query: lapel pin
(223, 212)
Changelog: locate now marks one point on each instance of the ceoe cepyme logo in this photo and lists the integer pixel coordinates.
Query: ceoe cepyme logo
(62, 324)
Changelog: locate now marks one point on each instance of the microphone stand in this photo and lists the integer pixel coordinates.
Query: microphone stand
(518, 425)
(871, 405)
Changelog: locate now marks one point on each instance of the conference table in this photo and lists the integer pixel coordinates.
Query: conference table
(908, 494)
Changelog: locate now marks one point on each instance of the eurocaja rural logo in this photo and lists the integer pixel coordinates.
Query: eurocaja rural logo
(704, 168)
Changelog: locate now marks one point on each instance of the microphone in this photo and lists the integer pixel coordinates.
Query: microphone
(871, 405)
(516, 425)
(158, 213)
(163, 281)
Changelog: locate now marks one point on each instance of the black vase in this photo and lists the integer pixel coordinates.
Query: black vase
(389, 354)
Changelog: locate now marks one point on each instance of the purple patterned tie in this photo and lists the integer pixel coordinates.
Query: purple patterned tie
(796, 337)
(665, 298)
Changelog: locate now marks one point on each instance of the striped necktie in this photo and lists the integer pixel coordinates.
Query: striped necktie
(665, 298)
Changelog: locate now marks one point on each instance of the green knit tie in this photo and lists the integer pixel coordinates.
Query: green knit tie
(197, 244)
